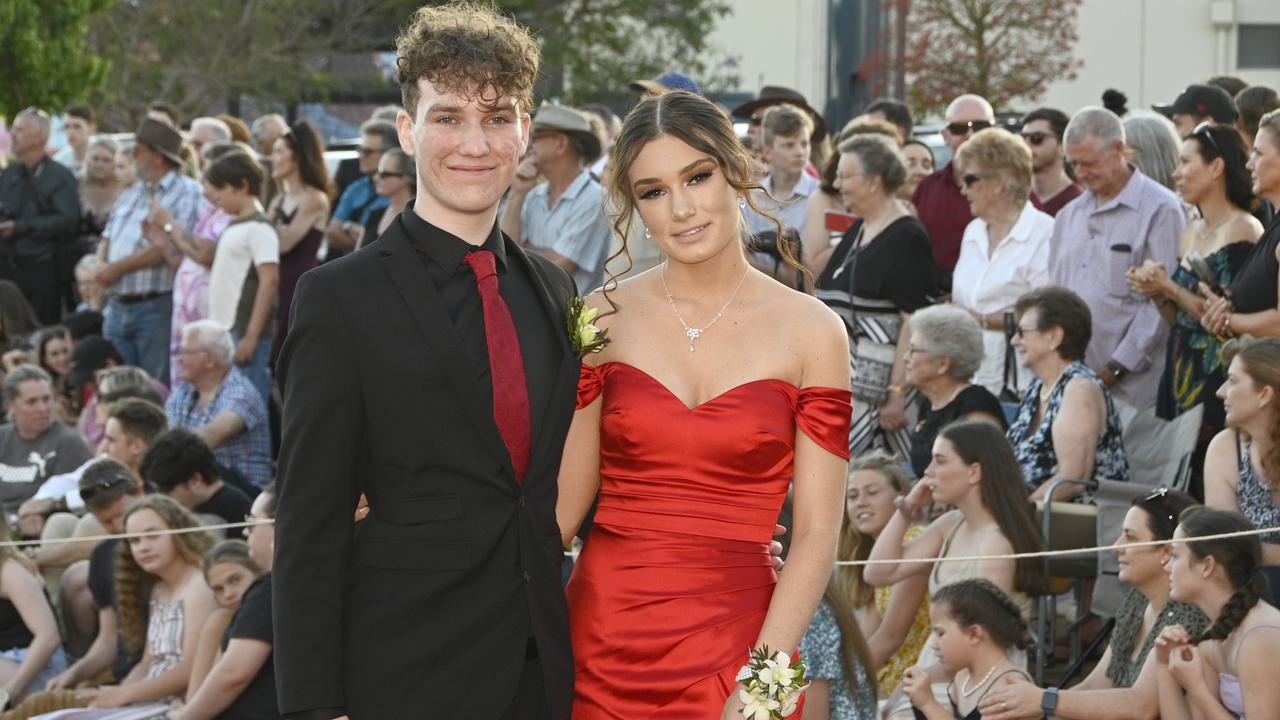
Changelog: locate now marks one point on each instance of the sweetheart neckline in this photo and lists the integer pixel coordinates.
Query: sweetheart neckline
(704, 403)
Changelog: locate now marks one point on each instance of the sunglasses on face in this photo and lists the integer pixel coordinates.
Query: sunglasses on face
(1035, 137)
(1021, 331)
(971, 178)
(87, 494)
(964, 128)
(384, 175)
(755, 121)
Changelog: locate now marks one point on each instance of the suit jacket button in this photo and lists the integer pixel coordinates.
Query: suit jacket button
(526, 577)
(521, 500)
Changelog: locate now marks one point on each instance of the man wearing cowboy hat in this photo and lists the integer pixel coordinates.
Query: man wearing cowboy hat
(138, 280)
(770, 95)
(562, 219)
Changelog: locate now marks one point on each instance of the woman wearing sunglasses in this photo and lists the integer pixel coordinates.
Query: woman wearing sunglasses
(1122, 686)
(396, 180)
(1211, 175)
(1066, 425)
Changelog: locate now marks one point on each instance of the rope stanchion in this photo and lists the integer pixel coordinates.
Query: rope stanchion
(126, 536)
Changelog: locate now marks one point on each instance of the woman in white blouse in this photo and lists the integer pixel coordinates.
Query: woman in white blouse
(1005, 251)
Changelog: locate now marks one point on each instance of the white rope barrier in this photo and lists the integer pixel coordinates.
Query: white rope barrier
(126, 536)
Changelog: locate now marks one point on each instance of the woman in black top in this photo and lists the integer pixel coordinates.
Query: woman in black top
(882, 271)
(30, 646)
(1254, 305)
(944, 353)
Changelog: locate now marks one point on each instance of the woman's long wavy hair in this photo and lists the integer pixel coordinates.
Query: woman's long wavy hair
(308, 154)
(1004, 493)
(1239, 557)
(1261, 360)
(133, 584)
(698, 123)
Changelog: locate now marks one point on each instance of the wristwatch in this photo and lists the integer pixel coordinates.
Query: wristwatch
(1118, 371)
(1049, 701)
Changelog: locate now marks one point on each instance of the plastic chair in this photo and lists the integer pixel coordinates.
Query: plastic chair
(1160, 451)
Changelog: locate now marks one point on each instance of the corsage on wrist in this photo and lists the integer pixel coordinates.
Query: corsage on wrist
(771, 684)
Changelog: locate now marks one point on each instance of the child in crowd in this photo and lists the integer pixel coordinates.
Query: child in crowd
(229, 570)
(241, 685)
(787, 187)
(245, 276)
(975, 625)
(1225, 671)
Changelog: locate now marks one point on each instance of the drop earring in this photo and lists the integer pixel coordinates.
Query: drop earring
(742, 202)
(647, 236)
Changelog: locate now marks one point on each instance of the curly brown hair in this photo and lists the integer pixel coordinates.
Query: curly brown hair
(133, 584)
(470, 49)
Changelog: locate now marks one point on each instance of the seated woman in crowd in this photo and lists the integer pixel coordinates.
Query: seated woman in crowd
(1066, 426)
(1122, 685)
(1005, 250)
(882, 271)
(977, 626)
(1225, 671)
(946, 349)
(229, 571)
(894, 620)
(975, 472)
(163, 602)
(1212, 176)
(1253, 307)
(241, 684)
(53, 352)
(1242, 466)
(30, 645)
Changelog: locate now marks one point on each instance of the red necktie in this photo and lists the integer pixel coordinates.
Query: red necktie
(506, 366)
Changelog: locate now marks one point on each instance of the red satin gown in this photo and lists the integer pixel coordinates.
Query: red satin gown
(675, 579)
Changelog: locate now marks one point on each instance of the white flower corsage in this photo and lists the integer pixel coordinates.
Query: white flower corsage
(583, 335)
(772, 684)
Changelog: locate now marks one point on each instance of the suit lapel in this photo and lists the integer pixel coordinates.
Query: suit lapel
(411, 281)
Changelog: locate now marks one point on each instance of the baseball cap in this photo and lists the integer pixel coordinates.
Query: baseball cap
(670, 81)
(90, 355)
(1203, 100)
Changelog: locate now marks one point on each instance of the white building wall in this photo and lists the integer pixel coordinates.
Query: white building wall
(778, 42)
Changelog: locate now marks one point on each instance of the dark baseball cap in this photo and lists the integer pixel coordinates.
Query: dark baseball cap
(91, 354)
(1204, 101)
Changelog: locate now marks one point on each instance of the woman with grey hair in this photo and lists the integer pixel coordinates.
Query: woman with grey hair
(1005, 249)
(945, 351)
(880, 273)
(1153, 146)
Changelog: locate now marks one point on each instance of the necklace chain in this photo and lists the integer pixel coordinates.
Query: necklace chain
(691, 332)
(964, 686)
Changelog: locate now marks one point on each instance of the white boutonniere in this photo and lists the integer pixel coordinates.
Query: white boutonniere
(583, 335)
(772, 684)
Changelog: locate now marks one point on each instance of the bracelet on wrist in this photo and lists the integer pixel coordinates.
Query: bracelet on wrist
(897, 389)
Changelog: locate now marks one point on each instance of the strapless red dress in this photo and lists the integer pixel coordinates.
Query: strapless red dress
(675, 579)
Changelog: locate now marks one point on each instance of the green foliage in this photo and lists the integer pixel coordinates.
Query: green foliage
(42, 53)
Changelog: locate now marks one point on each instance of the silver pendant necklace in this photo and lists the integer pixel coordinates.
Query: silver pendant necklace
(691, 332)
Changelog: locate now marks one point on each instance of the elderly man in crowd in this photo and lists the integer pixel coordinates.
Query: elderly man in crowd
(942, 207)
(562, 219)
(1123, 219)
(138, 279)
(206, 131)
(266, 129)
(39, 212)
(33, 445)
(217, 402)
(346, 227)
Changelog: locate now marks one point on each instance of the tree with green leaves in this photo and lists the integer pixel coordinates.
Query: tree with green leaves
(42, 53)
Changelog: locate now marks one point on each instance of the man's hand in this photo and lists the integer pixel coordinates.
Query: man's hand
(244, 350)
(526, 176)
(156, 235)
(108, 274)
(158, 214)
(7, 228)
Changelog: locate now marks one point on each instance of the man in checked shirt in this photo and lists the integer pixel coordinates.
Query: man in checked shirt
(138, 279)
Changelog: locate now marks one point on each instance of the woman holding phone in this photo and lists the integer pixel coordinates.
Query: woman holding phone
(1211, 175)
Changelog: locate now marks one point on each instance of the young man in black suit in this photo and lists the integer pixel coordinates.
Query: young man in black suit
(413, 375)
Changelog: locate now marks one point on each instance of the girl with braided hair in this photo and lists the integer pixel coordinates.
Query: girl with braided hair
(975, 625)
(1224, 671)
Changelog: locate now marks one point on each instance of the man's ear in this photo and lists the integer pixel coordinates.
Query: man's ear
(404, 132)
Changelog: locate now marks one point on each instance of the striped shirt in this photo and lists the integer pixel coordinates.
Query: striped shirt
(181, 195)
(1092, 247)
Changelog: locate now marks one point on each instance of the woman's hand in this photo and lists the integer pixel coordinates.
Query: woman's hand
(916, 684)
(1217, 311)
(61, 681)
(733, 705)
(1185, 664)
(111, 696)
(913, 503)
(1171, 638)
(893, 413)
(1150, 280)
(1018, 700)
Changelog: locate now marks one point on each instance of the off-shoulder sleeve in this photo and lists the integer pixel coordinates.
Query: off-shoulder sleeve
(822, 413)
(590, 383)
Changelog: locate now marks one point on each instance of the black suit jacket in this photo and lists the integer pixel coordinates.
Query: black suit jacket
(433, 597)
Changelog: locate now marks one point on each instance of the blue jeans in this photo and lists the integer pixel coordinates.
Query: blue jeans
(140, 331)
(258, 369)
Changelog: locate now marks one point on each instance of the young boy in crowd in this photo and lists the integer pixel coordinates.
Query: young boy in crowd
(786, 133)
(181, 465)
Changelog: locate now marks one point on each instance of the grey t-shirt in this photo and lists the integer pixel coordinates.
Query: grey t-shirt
(26, 464)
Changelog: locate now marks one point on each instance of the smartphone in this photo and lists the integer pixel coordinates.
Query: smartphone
(1203, 271)
(838, 221)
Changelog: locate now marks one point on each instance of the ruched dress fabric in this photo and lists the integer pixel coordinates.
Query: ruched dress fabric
(675, 579)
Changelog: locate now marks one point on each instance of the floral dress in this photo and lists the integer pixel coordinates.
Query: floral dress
(1124, 668)
(1193, 357)
(891, 672)
(1034, 449)
(823, 650)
